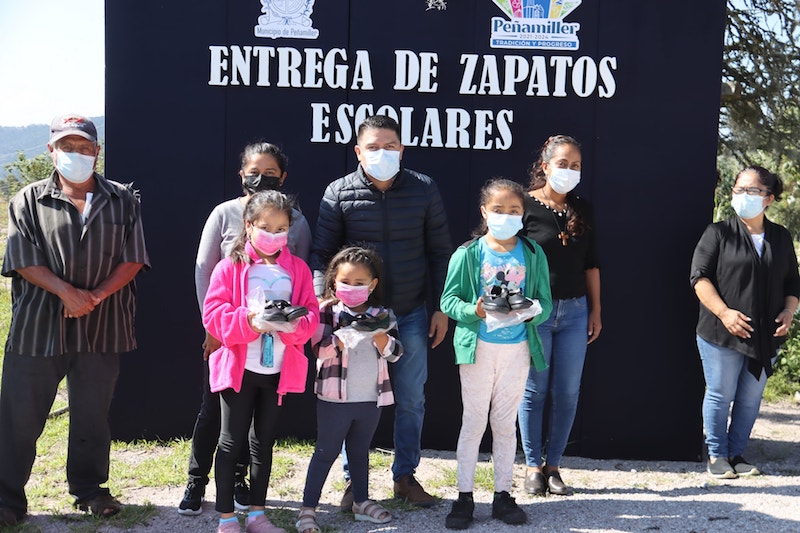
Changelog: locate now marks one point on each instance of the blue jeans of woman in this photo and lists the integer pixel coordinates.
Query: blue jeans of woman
(564, 339)
(728, 380)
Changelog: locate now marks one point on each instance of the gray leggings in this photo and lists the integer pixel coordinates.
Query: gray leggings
(351, 423)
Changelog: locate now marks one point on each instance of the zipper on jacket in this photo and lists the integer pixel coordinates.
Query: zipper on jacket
(387, 259)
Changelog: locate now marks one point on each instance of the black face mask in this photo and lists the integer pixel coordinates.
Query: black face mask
(259, 182)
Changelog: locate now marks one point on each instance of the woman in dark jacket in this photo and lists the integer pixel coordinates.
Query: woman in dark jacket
(744, 272)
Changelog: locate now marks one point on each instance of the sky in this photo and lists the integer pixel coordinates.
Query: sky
(52, 60)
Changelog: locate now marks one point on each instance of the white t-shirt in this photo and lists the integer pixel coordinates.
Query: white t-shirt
(276, 284)
(758, 241)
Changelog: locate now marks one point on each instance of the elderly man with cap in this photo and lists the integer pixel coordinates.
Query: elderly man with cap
(75, 244)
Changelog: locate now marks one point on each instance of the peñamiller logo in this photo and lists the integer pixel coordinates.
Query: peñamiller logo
(286, 19)
(535, 24)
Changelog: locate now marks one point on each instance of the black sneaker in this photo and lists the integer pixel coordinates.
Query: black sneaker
(496, 299)
(192, 502)
(241, 494)
(460, 515)
(505, 508)
(372, 323)
(720, 468)
(742, 466)
(290, 312)
(517, 301)
(273, 313)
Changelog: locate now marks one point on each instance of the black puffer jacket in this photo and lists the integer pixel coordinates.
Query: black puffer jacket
(406, 224)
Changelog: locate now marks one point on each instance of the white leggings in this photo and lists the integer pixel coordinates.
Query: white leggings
(491, 388)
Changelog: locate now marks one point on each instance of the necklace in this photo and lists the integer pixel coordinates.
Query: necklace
(562, 233)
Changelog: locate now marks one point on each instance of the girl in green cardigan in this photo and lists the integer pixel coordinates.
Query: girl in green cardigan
(505, 272)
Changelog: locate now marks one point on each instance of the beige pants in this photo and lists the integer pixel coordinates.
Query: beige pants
(491, 388)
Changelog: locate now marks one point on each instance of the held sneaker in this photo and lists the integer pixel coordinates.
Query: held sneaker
(372, 323)
(241, 494)
(290, 312)
(720, 468)
(496, 299)
(742, 467)
(273, 313)
(517, 301)
(192, 502)
(505, 509)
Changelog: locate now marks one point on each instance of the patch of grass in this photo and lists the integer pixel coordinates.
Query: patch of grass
(484, 478)
(149, 463)
(380, 459)
(300, 448)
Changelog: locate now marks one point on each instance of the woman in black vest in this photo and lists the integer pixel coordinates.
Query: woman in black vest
(744, 272)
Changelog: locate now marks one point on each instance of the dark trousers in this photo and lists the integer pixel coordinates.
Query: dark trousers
(256, 403)
(351, 423)
(206, 435)
(29, 386)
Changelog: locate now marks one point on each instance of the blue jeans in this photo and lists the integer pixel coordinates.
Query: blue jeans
(408, 376)
(564, 342)
(728, 380)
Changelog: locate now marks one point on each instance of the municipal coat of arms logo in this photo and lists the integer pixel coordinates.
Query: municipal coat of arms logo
(286, 19)
(535, 24)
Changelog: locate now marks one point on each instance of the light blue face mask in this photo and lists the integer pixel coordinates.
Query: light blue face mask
(75, 167)
(382, 165)
(502, 226)
(747, 205)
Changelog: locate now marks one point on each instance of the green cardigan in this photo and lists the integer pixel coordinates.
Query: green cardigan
(463, 286)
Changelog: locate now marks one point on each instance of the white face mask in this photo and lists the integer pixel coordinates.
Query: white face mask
(75, 167)
(382, 165)
(747, 205)
(563, 180)
(503, 226)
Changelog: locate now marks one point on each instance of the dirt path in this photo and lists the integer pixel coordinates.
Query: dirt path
(610, 495)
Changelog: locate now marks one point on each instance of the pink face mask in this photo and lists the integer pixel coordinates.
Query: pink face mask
(352, 295)
(268, 243)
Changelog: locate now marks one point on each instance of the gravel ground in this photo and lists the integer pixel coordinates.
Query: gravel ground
(610, 495)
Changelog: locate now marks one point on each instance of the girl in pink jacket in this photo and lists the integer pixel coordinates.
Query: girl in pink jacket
(261, 357)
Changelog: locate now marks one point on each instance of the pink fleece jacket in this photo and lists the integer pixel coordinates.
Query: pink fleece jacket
(225, 317)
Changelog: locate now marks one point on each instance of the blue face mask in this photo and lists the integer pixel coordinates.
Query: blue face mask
(747, 205)
(502, 226)
(75, 167)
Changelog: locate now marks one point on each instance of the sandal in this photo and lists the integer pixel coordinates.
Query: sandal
(369, 511)
(307, 522)
(101, 504)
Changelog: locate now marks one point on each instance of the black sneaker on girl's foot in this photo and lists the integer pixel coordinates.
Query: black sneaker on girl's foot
(241, 493)
(505, 509)
(460, 515)
(192, 502)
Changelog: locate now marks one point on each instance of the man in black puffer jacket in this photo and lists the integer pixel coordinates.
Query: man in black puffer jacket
(400, 213)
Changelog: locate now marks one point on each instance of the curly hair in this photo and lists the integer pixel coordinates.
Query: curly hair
(359, 255)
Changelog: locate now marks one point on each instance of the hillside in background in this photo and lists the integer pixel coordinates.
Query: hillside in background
(32, 140)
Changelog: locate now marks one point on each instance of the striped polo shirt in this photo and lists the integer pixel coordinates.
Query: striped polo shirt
(46, 229)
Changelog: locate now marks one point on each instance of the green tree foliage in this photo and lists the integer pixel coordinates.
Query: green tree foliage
(760, 121)
(25, 170)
